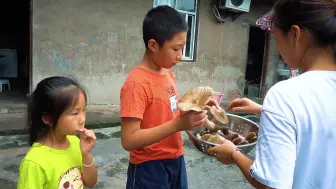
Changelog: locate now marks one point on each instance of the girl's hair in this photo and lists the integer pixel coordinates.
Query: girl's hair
(52, 97)
(317, 16)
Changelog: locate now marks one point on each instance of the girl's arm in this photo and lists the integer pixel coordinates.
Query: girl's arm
(244, 163)
(89, 170)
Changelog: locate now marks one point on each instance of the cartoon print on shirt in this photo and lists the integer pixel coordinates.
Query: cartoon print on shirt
(71, 179)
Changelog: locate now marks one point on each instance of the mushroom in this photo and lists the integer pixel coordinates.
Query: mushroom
(231, 135)
(196, 99)
(209, 124)
(240, 140)
(216, 139)
(205, 131)
(220, 132)
(218, 115)
(225, 131)
(206, 137)
(251, 137)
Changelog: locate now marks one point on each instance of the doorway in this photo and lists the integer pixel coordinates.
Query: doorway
(15, 52)
(255, 62)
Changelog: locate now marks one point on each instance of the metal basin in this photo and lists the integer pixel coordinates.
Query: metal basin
(238, 124)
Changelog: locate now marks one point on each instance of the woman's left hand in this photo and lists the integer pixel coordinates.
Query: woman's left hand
(87, 140)
(223, 152)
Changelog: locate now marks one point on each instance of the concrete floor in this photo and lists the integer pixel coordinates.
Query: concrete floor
(204, 172)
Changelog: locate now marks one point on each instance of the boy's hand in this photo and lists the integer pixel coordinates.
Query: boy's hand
(191, 120)
(87, 140)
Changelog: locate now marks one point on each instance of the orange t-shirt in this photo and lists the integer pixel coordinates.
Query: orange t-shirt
(152, 98)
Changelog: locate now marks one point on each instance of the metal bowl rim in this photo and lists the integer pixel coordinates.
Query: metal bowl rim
(232, 115)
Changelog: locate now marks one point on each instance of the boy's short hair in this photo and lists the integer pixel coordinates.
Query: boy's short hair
(161, 23)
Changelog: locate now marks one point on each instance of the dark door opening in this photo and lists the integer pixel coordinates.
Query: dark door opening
(15, 56)
(255, 61)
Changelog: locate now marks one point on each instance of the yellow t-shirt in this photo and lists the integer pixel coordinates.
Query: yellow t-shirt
(48, 168)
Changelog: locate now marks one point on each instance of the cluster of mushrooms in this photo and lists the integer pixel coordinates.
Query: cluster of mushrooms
(221, 135)
(216, 130)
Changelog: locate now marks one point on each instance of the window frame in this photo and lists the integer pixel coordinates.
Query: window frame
(194, 30)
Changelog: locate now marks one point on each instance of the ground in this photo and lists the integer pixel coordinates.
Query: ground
(112, 160)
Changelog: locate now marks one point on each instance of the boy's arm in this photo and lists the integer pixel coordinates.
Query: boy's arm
(132, 137)
(133, 102)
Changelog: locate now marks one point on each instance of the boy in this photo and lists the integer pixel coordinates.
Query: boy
(151, 123)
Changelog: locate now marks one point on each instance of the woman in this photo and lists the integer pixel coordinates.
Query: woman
(297, 134)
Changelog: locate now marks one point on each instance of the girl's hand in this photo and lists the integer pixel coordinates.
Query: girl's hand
(87, 140)
(245, 105)
(223, 152)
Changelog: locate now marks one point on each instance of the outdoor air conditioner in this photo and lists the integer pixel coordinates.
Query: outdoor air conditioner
(235, 5)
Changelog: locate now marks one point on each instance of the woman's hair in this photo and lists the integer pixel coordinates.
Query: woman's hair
(51, 98)
(317, 16)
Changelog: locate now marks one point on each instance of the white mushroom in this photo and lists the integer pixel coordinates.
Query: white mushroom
(196, 99)
(216, 139)
(219, 115)
(209, 124)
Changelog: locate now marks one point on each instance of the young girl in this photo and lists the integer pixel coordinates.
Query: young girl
(57, 158)
(297, 134)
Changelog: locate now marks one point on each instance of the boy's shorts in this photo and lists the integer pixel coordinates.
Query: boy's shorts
(158, 174)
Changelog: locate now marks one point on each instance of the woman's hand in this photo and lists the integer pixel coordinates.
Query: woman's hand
(87, 140)
(245, 105)
(223, 152)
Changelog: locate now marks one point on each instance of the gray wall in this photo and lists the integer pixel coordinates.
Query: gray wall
(99, 42)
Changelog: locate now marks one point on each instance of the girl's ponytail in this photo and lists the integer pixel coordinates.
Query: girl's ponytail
(35, 125)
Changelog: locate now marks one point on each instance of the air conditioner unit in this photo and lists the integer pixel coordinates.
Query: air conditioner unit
(235, 5)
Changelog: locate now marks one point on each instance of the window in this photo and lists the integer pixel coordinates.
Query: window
(188, 8)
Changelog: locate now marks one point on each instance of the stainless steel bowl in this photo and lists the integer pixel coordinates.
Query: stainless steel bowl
(238, 124)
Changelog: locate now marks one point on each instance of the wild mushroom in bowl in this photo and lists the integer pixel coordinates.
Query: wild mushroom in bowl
(219, 126)
(197, 99)
(241, 131)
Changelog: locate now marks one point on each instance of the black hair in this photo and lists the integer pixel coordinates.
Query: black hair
(52, 97)
(161, 23)
(317, 16)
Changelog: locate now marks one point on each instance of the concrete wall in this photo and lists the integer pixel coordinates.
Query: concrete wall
(99, 42)
(273, 55)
